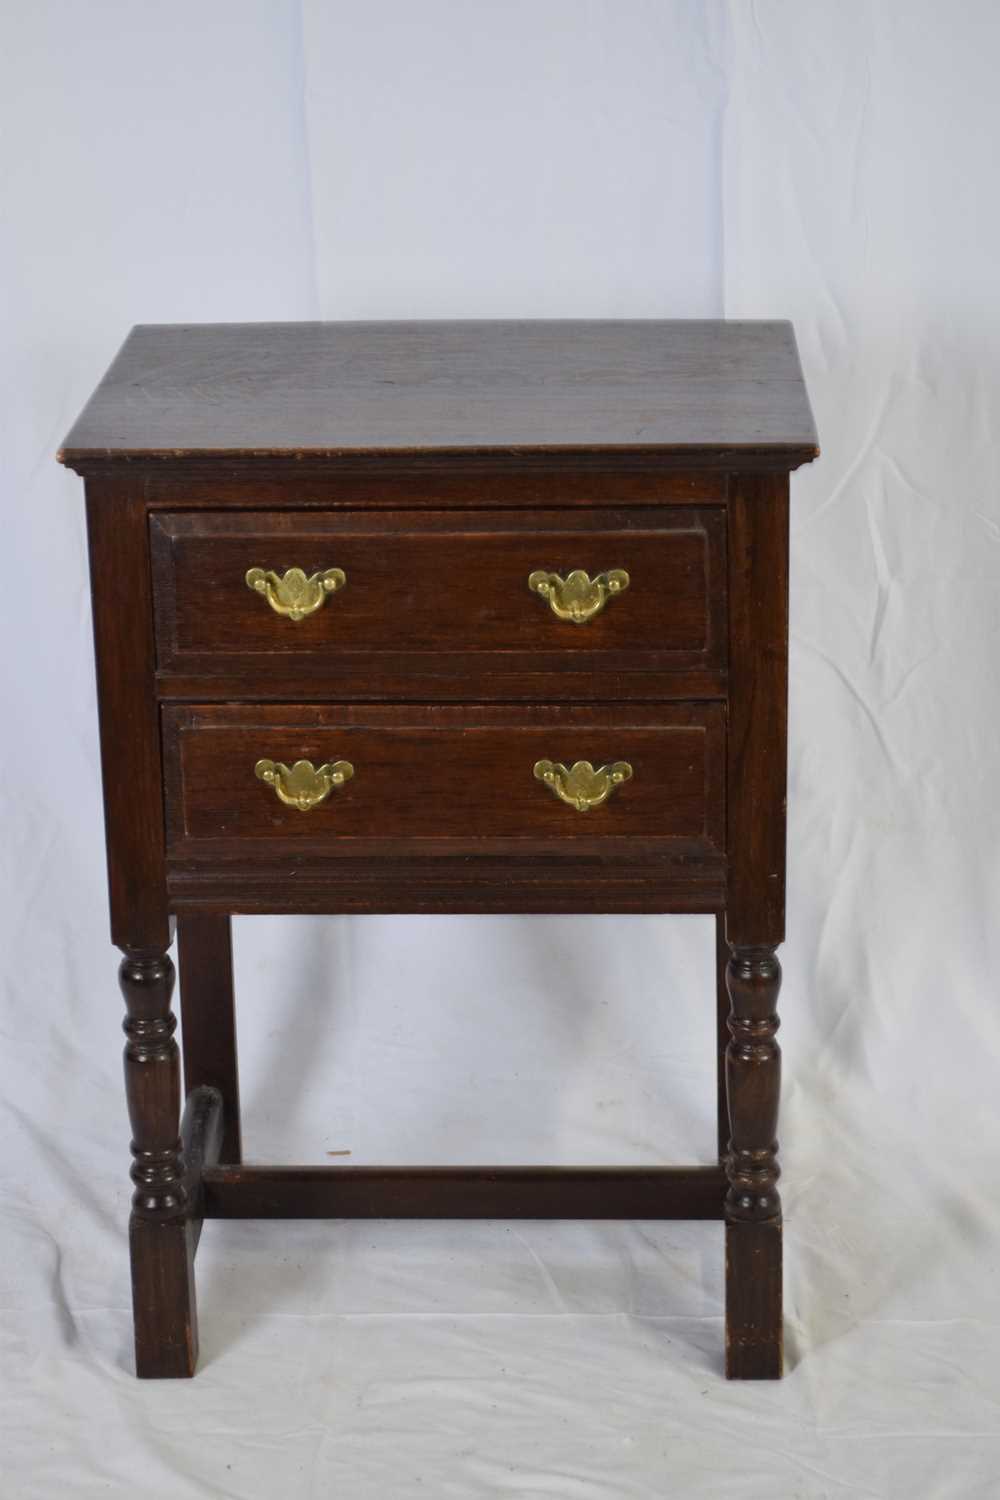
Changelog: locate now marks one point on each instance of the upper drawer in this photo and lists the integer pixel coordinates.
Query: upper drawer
(442, 596)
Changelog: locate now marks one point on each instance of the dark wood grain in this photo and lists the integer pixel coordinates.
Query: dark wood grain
(202, 1127)
(753, 1079)
(447, 677)
(208, 1016)
(754, 1335)
(758, 708)
(464, 1192)
(442, 582)
(447, 780)
(722, 1010)
(755, 914)
(442, 463)
(152, 1084)
(164, 1308)
(428, 481)
(163, 1299)
(121, 601)
(565, 881)
(332, 389)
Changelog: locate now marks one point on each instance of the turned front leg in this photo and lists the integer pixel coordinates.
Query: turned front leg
(753, 1207)
(166, 1332)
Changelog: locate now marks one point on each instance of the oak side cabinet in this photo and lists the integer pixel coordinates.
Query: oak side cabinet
(439, 617)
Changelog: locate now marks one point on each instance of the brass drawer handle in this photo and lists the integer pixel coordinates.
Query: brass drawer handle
(579, 785)
(578, 597)
(303, 785)
(293, 594)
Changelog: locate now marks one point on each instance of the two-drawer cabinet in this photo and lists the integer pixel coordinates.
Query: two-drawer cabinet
(439, 618)
(469, 609)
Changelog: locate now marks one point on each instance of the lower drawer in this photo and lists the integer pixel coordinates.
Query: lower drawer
(450, 780)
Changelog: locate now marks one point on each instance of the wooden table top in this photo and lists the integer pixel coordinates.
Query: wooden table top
(231, 390)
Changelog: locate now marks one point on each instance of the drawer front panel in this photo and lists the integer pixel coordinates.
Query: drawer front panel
(443, 779)
(445, 587)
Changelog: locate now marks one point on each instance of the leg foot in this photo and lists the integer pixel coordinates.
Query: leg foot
(163, 1300)
(753, 1301)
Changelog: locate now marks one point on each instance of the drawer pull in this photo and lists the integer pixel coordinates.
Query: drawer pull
(578, 597)
(579, 785)
(294, 595)
(303, 785)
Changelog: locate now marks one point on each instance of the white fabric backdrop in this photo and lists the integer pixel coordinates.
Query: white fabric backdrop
(829, 163)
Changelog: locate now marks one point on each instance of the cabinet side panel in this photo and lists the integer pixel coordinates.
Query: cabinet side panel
(130, 744)
(758, 707)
